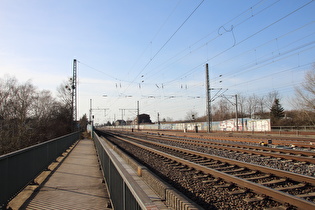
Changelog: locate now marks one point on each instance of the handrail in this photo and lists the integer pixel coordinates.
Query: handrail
(19, 168)
(122, 187)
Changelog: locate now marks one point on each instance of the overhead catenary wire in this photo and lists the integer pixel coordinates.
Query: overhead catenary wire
(197, 67)
(260, 2)
(269, 58)
(266, 43)
(167, 41)
(154, 37)
(273, 59)
(214, 38)
(170, 38)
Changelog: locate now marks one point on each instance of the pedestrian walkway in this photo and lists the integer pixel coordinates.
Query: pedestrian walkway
(76, 184)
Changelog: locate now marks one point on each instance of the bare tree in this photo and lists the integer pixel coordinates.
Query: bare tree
(241, 100)
(306, 95)
(222, 110)
(252, 105)
(21, 108)
(29, 116)
(191, 115)
(261, 104)
(270, 98)
(7, 126)
(64, 93)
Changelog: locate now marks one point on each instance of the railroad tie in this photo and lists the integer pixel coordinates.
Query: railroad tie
(246, 174)
(258, 177)
(201, 176)
(223, 185)
(226, 167)
(286, 161)
(300, 185)
(211, 180)
(235, 170)
(202, 161)
(277, 181)
(180, 166)
(211, 163)
(312, 194)
(237, 192)
(300, 163)
(254, 199)
(217, 165)
(277, 208)
(186, 169)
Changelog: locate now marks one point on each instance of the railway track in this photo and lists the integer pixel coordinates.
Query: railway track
(298, 161)
(301, 142)
(289, 154)
(247, 183)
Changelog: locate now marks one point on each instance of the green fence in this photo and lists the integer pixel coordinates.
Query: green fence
(18, 169)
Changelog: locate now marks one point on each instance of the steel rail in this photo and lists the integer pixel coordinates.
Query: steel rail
(294, 140)
(277, 172)
(202, 142)
(257, 188)
(251, 149)
(306, 153)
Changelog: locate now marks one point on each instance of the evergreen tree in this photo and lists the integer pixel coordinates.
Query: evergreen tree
(276, 111)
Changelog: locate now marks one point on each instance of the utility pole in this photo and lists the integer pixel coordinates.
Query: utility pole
(101, 109)
(158, 116)
(74, 95)
(208, 108)
(138, 115)
(90, 117)
(236, 108)
(123, 112)
(236, 112)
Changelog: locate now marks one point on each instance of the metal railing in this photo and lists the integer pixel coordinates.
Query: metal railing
(18, 169)
(124, 192)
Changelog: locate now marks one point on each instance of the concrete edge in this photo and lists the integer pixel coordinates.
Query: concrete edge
(171, 197)
(30, 190)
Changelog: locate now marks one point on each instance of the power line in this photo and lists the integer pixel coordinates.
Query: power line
(265, 43)
(169, 39)
(156, 34)
(272, 59)
(115, 78)
(259, 62)
(218, 35)
(238, 43)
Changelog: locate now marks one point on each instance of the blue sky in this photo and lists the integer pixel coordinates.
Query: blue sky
(155, 51)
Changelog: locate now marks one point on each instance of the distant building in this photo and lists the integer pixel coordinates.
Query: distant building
(143, 118)
(120, 122)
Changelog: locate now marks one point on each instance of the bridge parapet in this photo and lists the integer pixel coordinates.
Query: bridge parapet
(20, 168)
(124, 176)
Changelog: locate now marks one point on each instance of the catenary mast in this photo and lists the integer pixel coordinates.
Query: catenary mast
(74, 94)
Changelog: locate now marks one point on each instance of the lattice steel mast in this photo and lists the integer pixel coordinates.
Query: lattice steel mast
(208, 94)
(74, 94)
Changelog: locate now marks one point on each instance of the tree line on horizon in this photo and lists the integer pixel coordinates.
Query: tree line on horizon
(30, 116)
(268, 106)
(260, 107)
